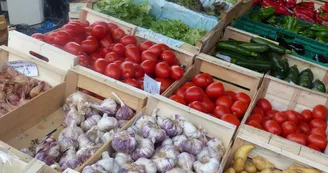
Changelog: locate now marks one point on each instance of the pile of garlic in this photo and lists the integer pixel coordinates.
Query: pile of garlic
(88, 125)
(155, 144)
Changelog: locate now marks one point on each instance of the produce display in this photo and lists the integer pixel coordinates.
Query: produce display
(88, 125)
(243, 164)
(207, 96)
(307, 128)
(17, 89)
(106, 49)
(138, 14)
(161, 144)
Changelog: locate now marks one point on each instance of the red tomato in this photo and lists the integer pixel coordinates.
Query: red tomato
(145, 45)
(117, 34)
(178, 99)
(79, 27)
(304, 127)
(288, 127)
(264, 119)
(49, 38)
(271, 113)
(272, 127)
(98, 31)
(165, 83)
(112, 70)
(213, 90)
(255, 117)
(105, 50)
(132, 82)
(242, 97)
(258, 110)
(254, 124)
(176, 72)
(141, 82)
(193, 93)
(127, 70)
(106, 41)
(307, 115)
(94, 56)
(317, 140)
(119, 49)
(230, 94)
(297, 137)
(208, 104)
(318, 131)
(162, 70)
(279, 118)
(61, 38)
(148, 55)
(89, 46)
(318, 123)
(75, 40)
(70, 28)
(112, 27)
(314, 147)
(223, 100)
(198, 106)
(132, 52)
(158, 49)
(231, 119)
(319, 112)
(73, 48)
(118, 62)
(88, 31)
(99, 65)
(111, 57)
(92, 38)
(84, 60)
(292, 116)
(220, 110)
(264, 104)
(101, 23)
(180, 92)
(38, 36)
(139, 73)
(187, 85)
(203, 80)
(239, 108)
(169, 57)
(148, 66)
(85, 23)
(128, 39)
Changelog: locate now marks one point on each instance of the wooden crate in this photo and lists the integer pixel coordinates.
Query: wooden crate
(44, 114)
(280, 157)
(284, 96)
(168, 108)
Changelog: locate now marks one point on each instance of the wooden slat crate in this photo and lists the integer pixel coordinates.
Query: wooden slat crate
(280, 157)
(43, 115)
(284, 96)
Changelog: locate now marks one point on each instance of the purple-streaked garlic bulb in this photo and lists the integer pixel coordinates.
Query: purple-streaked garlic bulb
(192, 146)
(218, 145)
(170, 126)
(72, 131)
(167, 141)
(49, 146)
(165, 158)
(145, 149)
(72, 116)
(42, 156)
(207, 164)
(85, 153)
(107, 123)
(153, 132)
(92, 134)
(124, 142)
(123, 158)
(69, 160)
(185, 161)
(124, 112)
(66, 143)
(108, 163)
(146, 118)
(108, 106)
(132, 168)
(90, 122)
(148, 164)
(84, 141)
(177, 140)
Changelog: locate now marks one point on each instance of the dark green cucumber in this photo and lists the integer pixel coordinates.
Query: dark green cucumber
(235, 55)
(286, 65)
(292, 75)
(274, 47)
(235, 48)
(319, 86)
(255, 47)
(277, 63)
(255, 65)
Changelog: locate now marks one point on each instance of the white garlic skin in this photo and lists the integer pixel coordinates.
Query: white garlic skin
(218, 145)
(185, 161)
(122, 159)
(107, 123)
(177, 141)
(190, 130)
(143, 119)
(208, 152)
(84, 141)
(207, 165)
(90, 122)
(145, 148)
(149, 165)
(108, 163)
(167, 141)
(176, 170)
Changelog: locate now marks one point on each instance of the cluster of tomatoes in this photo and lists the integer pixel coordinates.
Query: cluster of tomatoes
(106, 48)
(205, 95)
(307, 128)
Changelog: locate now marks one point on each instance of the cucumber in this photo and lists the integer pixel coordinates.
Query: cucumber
(235, 55)
(235, 48)
(319, 86)
(255, 47)
(292, 75)
(255, 65)
(286, 65)
(277, 63)
(274, 47)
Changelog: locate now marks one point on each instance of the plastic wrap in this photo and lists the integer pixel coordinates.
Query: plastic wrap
(9, 162)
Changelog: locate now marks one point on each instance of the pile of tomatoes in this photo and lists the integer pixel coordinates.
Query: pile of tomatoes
(307, 128)
(205, 95)
(105, 48)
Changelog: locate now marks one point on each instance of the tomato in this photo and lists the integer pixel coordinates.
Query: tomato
(220, 110)
(288, 127)
(127, 70)
(169, 57)
(118, 62)
(193, 93)
(231, 119)
(292, 116)
(165, 83)
(119, 49)
(272, 127)
(38, 36)
(187, 85)
(307, 115)
(176, 72)
(203, 80)
(85, 23)
(111, 57)
(304, 127)
(213, 90)
(73, 48)
(223, 100)
(117, 34)
(319, 112)
(94, 56)
(148, 66)
(132, 82)
(99, 65)
(258, 110)
(297, 137)
(89, 46)
(254, 124)
(79, 27)
(158, 49)
(101, 23)
(241, 96)
(264, 104)
(49, 37)
(98, 31)
(75, 40)
(141, 82)
(112, 70)
(208, 104)
(92, 38)
(255, 117)
(70, 28)
(314, 147)
(198, 106)
(264, 119)
(132, 52)
(105, 50)
(145, 45)
(238, 108)
(88, 31)
(318, 131)
(317, 140)
(230, 94)
(178, 99)
(106, 41)
(318, 123)
(279, 117)
(111, 27)
(148, 55)
(61, 38)
(139, 73)
(162, 70)
(128, 39)
(84, 60)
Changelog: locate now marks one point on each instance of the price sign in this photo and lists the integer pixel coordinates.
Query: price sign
(151, 86)
(25, 67)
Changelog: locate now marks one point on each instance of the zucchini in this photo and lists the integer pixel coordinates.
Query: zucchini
(235, 48)
(274, 47)
(319, 86)
(277, 63)
(255, 65)
(286, 65)
(305, 81)
(255, 47)
(235, 55)
(307, 72)
(292, 75)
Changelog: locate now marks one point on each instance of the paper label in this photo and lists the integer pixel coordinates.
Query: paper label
(151, 86)
(25, 67)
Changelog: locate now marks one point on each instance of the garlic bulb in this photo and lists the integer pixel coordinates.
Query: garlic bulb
(49, 147)
(185, 161)
(208, 152)
(132, 168)
(85, 153)
(165, 158)
(108, 106)
(167, 141)
(122, 159)
(27, 151)
(178, 140)
(107, 123)
(124, 142)
(94, 168)
(72, 131)
(79, 100)
(42, 156)
(207, 165)
(145, 149)
(124, 112)
(69, 160)
(72, 116)
(153, 132)
(149, 165)
(108, 135)
(92, 134)
(218, 145)
(192, 146)
(90, 122)
(147, 118)
(100, 135)
(176, 170)
(190, 130)
(108, 163)
(67, 143)
(84, 141)
(171, 127)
